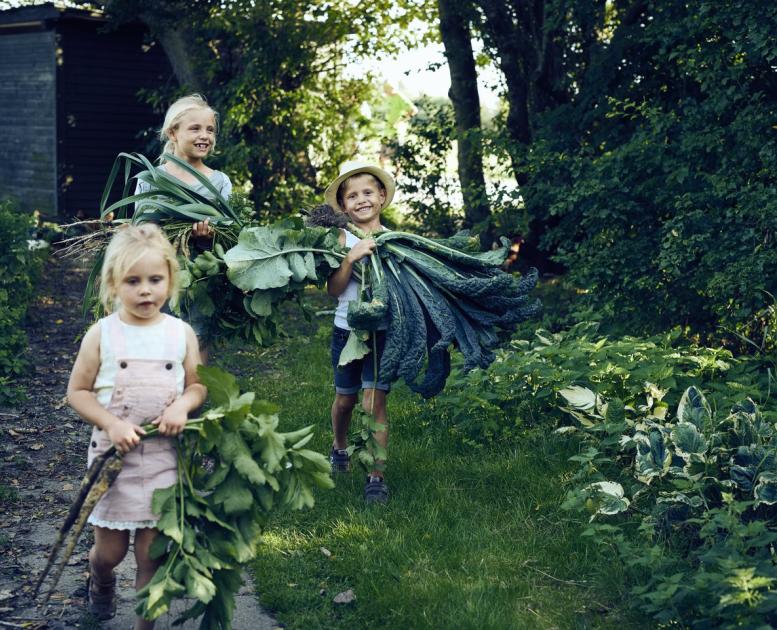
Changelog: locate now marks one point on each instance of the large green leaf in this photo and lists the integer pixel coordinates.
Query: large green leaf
(608, 498)
(765, 490)
(579, 397)
(222, 386)
(233, 494)
(694, 408)
(688, 441)
(653, 458)
(750, 461)
(748, 425)
(199, 586)
(269, 257)
(354, 349)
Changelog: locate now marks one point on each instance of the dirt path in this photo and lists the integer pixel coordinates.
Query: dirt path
(42, 458)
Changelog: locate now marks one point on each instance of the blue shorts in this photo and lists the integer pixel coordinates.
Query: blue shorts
(359, 374)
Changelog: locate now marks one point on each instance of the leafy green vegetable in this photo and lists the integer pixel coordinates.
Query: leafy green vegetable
(434, 295)
(283, 253)
(169, 197)
(234, 467)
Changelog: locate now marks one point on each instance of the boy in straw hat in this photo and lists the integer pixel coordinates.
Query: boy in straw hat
(361, 191)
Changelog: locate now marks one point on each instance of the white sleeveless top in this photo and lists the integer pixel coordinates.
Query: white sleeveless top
(351, 290)
(142, 342)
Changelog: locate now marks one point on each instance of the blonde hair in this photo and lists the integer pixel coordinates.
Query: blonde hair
(175, 114)
(129, 244)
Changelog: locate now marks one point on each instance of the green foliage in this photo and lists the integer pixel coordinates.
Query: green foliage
(274, 70)
(20, 267)
(418, 562)
(656, 186)
(234, 469)
(521, 388)
(421, 155)
(236, 293)
(700, 490)
(427, 294)
(683, 492)
(168, 198)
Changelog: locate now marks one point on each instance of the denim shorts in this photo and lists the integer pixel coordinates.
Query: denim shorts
(359, 374)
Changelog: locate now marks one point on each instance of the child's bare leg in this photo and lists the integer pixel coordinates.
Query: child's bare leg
(342, 408)
(110, 547)
(374, 402)
(146, 567)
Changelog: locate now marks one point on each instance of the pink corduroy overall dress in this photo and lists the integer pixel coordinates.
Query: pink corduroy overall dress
(141, 391)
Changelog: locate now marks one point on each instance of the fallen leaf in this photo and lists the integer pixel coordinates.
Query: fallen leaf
(13, 433)
(68, 486)
(37, 446)
(59, 321)
(346, 597)
(326, 552)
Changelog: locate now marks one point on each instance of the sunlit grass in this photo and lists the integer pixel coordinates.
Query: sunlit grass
(469, 539)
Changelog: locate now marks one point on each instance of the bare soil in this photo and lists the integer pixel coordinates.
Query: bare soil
(42, 454)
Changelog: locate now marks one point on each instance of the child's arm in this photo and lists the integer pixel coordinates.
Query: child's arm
(337, 282)
(174, 417)
(202, 229)
(124, 435)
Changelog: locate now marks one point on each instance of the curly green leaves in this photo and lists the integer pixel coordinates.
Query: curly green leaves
(434, 295)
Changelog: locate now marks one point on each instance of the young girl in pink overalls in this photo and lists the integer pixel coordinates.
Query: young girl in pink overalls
(135, 366)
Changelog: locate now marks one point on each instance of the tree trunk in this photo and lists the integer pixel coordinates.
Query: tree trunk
(505, 39)
(176, 48)
(455, 32)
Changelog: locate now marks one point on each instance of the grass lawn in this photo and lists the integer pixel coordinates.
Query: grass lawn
(470, 538)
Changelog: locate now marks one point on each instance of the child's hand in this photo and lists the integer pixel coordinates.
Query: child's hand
(363, 248)
(172, 421)
(124, 435)
(202, 229)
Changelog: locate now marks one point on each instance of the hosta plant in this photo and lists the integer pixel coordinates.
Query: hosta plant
(700, 489)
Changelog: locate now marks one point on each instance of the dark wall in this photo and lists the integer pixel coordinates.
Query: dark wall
(99, 110)
(28, 120)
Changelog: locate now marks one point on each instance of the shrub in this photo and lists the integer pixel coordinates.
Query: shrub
(699, 488)
(520, 389)
(664, 211)
(20, 268)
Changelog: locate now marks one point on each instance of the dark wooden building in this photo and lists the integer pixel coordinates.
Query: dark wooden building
(69, 104)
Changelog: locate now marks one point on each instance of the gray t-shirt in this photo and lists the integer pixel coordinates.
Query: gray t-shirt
(219, 180)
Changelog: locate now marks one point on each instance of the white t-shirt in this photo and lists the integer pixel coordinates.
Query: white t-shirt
(351, 290)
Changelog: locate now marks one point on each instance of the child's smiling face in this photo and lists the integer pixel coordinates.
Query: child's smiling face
(195, 135)
(363, 199)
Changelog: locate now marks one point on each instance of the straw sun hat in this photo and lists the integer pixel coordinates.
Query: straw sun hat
(349, 169)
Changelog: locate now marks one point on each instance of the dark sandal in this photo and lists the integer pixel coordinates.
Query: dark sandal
(102, 603)
(339, 460)
(376, 490)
